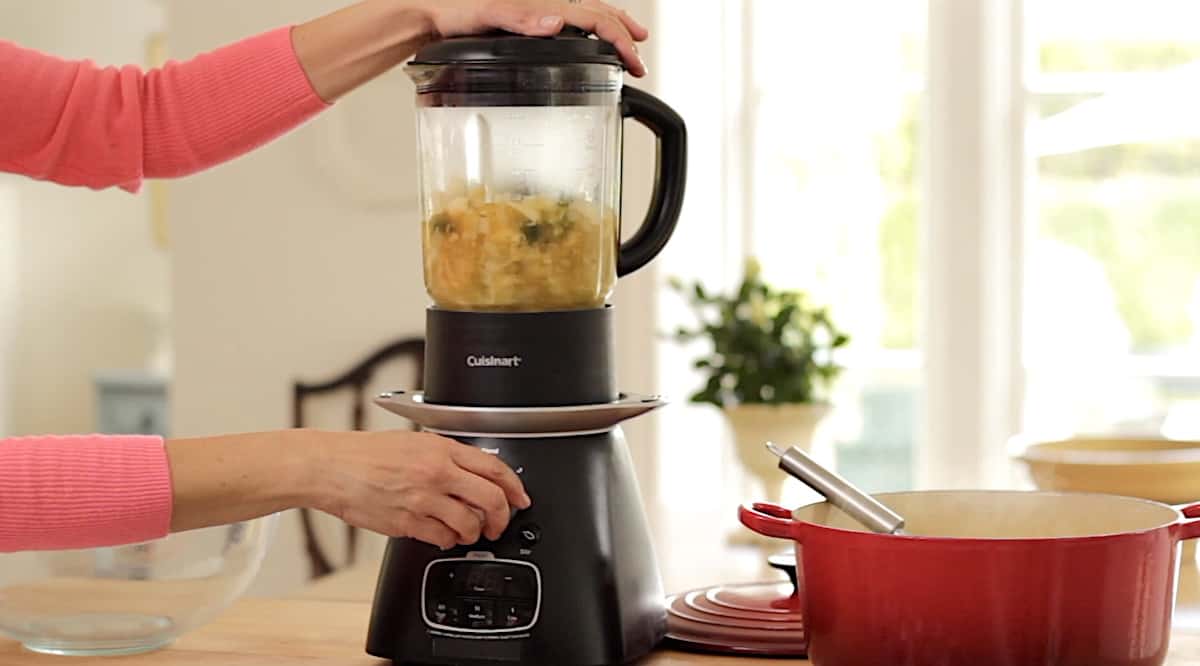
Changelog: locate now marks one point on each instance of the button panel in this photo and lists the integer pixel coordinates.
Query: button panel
(481, 595)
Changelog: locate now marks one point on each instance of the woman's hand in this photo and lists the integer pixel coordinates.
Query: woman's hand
(541, 18)
(344, 50)
(417, 485)
(401, 484)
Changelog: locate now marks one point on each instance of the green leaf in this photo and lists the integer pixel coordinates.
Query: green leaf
(785, 359)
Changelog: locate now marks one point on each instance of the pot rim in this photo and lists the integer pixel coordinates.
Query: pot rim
(1179, 521)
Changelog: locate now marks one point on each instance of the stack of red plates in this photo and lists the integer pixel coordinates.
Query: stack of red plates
(751, 619)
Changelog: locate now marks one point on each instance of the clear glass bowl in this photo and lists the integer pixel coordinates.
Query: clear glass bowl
(129, 599)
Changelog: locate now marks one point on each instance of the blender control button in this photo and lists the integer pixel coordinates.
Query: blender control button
(516, 614)
(509, 616)
(456, 581)
(520, 585)
(486, 580)
(524, 614)
(445, 613)
(479, 614)
(475, 581)
(530, 535)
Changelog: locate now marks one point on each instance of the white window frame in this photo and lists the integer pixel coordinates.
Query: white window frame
(976, 180)
(974, 163)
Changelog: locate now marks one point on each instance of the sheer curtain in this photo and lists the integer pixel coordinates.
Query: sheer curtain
(995, 197)
(869, 154)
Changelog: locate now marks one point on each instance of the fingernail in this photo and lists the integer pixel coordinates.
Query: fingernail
(526, 502)
(550, 21)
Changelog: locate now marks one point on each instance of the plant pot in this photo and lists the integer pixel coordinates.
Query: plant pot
(754, 425)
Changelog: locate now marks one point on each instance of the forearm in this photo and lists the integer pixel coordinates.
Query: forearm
(344, 50)
(82, 491)
(78, 124)
(230, 478)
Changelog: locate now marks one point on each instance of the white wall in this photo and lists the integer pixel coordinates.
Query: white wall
(9, 251)
(296, 260)
(93, 287)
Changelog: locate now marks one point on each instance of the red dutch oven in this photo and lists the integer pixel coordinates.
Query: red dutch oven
(984, 578)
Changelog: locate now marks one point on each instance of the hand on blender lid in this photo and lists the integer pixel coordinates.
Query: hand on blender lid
(545, 18)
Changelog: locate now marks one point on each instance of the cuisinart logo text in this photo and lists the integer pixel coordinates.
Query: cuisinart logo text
(493, 361)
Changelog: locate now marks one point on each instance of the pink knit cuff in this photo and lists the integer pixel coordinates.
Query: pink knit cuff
(82, 491)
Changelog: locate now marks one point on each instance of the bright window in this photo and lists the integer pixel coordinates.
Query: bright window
(834, 204)
(1112, 320)
(1044, 278)
(805, 155)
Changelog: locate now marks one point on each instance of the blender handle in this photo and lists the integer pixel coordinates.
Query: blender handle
(670, 178)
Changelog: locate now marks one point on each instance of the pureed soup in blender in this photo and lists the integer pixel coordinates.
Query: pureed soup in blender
(511, 252)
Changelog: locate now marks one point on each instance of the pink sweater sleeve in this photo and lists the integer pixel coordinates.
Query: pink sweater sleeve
(82, 491)
(77, 124)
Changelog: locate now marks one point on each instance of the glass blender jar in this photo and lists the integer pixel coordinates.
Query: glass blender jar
(520, 143)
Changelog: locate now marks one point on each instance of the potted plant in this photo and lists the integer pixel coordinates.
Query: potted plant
(769, 367)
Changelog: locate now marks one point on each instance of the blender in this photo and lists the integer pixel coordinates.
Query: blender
(520, 143)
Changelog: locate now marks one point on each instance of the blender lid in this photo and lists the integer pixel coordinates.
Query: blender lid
(572, 46)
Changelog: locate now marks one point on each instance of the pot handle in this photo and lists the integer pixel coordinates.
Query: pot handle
(767, 519)
(1190, 529)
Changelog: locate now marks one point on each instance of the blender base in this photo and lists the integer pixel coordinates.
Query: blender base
(573, 581)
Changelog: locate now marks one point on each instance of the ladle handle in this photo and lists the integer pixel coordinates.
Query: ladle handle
(840, 492)
(670, 178)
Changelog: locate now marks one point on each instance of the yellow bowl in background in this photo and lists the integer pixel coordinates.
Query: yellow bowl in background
(1157, 469)
(1163, 470)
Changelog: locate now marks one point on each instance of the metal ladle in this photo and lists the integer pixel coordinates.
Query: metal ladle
(840, 492)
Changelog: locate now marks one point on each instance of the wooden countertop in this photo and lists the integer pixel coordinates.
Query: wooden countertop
(326, 626)
(302, 632)
(287, 632)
